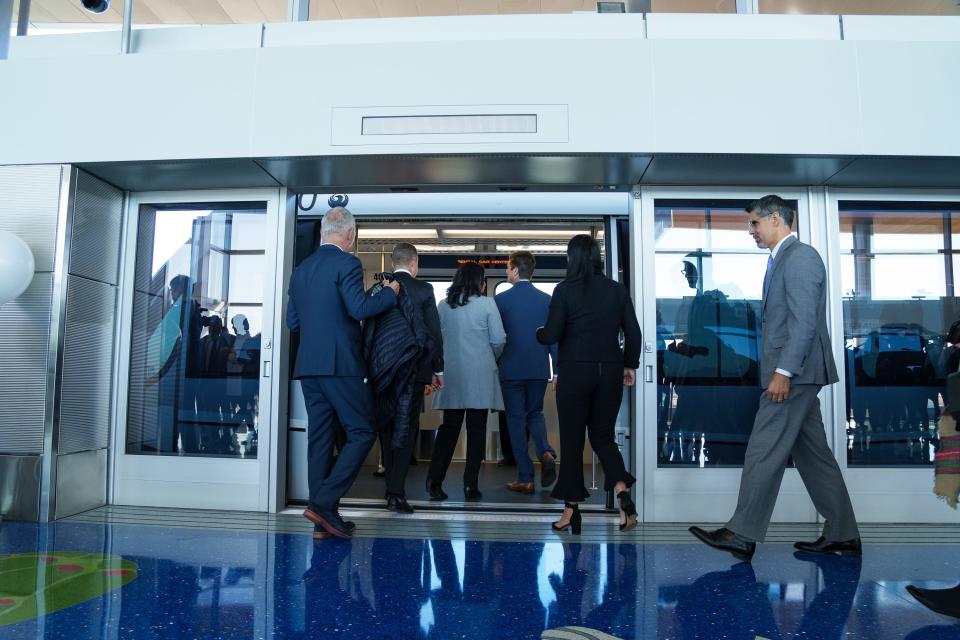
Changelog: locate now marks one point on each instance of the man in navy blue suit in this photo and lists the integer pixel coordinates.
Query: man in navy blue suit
(327, 303)
(525, 371)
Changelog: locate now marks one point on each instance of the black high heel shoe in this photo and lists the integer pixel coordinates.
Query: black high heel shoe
(576, 520)
(629, 510)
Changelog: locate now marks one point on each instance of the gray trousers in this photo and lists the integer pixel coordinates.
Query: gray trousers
(794, 427)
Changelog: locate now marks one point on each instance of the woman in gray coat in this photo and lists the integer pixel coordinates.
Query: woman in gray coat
(473, 339)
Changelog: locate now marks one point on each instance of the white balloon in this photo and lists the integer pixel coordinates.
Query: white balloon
(16, 266)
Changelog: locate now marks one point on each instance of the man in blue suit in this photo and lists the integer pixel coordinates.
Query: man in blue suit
(525, 371)
(327, 303)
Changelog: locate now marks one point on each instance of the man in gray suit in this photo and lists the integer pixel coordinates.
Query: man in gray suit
(796, 362)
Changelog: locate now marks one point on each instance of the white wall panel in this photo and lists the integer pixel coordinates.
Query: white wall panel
(455, 29)
(686, 26)
(755, 97)
(191, 104)
(910, 93)
(762, 84)
(605, 85)
(904, 28)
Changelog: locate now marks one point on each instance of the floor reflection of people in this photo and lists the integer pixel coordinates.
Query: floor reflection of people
(616, 609)
(463, 592)
(400, 591)
(826, 617)
(174, 592)
(729, 604)
(332, 608)
(514, 574)
(733, 604)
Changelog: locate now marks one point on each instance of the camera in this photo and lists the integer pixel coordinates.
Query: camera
(95, 6)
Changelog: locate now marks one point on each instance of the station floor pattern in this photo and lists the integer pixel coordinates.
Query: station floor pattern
(144, 574)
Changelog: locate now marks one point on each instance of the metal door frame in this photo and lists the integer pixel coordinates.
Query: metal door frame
(879, 494)
(685, 494)
(498, 208)
(172, 469)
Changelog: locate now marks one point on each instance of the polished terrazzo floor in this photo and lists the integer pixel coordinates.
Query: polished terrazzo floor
(147, 575)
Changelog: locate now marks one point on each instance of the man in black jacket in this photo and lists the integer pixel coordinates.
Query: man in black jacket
(429, 371)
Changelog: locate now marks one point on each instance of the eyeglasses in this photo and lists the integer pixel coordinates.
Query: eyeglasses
(752, 224)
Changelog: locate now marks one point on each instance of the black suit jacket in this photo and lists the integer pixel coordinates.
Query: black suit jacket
(587, 322)
(421, 293)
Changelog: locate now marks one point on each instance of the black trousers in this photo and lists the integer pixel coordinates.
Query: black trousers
(331, 401)
(588, 401)
(397, 461)
(446, 442)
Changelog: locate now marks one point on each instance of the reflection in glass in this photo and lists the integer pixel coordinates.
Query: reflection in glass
(709, 278)
(897, 280)
(197, 318)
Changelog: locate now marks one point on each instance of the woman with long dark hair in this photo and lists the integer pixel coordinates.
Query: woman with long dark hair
(588, 313)
(473, 339)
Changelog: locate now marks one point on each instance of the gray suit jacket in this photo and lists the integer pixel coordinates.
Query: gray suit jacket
(794, 318)
(473, 339)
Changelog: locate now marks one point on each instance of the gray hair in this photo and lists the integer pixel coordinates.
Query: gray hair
(769, 205)
(337, 221)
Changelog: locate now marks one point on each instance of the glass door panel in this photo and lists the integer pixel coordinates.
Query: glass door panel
(200, 321)
(196, 335)
(897, 275)
(702, 277)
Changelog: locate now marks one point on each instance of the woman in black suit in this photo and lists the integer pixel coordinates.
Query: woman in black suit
(588, 312)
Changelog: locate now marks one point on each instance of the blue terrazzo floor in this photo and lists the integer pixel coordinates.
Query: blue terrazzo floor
(202, 583)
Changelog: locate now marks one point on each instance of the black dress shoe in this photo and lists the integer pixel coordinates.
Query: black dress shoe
(472, 493)
(943, 601)
(329, 521)
(436, 491)
(726, 540)
(507, 462)
(321, 534)
(398, 504)
(820, 545)
(548, 470)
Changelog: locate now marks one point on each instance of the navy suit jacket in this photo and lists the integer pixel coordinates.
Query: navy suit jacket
(327, 303)
(523, 308)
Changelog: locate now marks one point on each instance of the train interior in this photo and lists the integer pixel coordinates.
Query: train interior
(442, 244)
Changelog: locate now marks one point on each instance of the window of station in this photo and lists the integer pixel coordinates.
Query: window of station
(897, 272)
(709, 280)
(351, 9)
(197, 320)
(863, 7)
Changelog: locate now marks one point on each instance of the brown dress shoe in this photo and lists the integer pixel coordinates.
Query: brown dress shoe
(521, 487)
